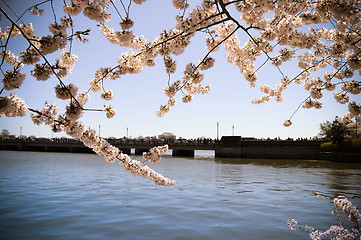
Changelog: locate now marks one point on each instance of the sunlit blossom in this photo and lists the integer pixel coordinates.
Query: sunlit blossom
(13, 79)
(110, 112)
(18, 107)
(287, 123)
(74, 111)
(5, 104)
(65, 92)
(42, 72)
(30, 56)
(126, 24)
(354, 108)
(82, 97)
(107, 95)
(341, 97)
(292, 224)
(10, 58)
(154, 153)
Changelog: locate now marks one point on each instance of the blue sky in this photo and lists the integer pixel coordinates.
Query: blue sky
(137, 97)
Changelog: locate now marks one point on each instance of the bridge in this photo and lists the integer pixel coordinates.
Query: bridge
(179, 147)
(227, 147)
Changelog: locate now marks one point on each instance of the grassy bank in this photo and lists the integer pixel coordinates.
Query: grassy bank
(349, 145)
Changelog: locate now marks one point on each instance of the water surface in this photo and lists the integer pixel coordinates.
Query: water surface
(81, 196)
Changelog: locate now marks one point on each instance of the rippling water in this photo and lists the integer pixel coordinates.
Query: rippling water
(80, 196)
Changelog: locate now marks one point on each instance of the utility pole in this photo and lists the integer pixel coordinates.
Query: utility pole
(127, 132)
(21, 131)
(217, 131)
(99, 130)
(232, 130)
(356, 125)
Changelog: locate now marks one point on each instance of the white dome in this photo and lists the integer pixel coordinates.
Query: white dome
(167, 134)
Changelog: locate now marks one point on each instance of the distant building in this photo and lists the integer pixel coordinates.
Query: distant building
(167, 135)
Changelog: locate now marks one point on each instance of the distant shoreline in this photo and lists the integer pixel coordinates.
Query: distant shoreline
(228, 147)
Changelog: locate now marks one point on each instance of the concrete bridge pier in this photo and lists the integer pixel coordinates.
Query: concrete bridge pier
(229, 147)
(140, 151)
(81, 150)
(125, 150)
(228, 152)
(183, 153)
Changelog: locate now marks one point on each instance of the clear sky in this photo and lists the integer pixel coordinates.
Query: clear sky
(137, 97)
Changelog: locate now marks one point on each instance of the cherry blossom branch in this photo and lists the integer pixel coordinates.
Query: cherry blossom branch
(101, 147)
(225, 11)
(45, 59)
(6, 44)
(116, 9)
(34, 6)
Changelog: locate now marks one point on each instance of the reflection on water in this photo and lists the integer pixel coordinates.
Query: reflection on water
(63, 196)
(340, 176)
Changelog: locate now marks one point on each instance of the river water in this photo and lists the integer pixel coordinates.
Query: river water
(81, 196)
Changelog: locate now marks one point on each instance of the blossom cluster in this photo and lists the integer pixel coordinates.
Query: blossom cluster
(65, 92)
(292, 224)
(41, 72)
(94, 10)
(269, 92)
(10, 58)
(155, 153)
(82, 97)
(335, 231)
(311, 103)
(73, 110)
(180, 4)
(346, 206)
(354, 110)
(13, 79)
(66, 64)
(287, 123)
(135, 167)
(110, 112)
(13, 106)
(47, 115)
(107, 95)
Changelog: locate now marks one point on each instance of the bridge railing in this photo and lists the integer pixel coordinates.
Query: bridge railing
(118, 141)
